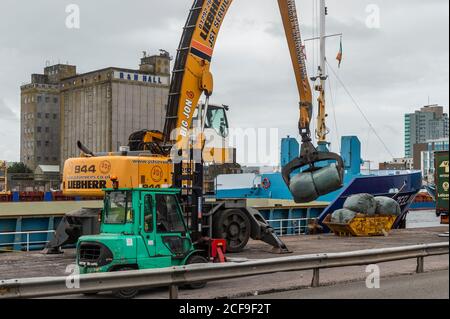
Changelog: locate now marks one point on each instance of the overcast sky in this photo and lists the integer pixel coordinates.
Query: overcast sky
(391, 70)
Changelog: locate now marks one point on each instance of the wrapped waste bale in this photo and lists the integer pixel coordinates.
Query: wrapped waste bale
(342, 216)
(303, 189)
(387, 206)
(361, 203)
(308, 186)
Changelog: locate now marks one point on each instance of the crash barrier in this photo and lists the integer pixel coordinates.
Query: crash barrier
(175, 277)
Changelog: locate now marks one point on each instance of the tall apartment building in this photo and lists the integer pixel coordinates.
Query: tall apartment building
(103, 107)
(429, 123)
(40, 117)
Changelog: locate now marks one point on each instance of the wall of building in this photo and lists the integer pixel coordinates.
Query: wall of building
(417, 151)
(40, 117)
(102, 108)
(85, 107)
(136, 107)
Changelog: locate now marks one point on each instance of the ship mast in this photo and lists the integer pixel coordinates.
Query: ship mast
(321, 130)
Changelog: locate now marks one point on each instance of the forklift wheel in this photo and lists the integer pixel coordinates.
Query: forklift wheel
(196, 259)
(126, 293)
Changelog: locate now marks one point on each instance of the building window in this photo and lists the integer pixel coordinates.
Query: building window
(47, 130)
(55, 100)
(54, 159)
(55, 116)
(47, 115)
(46, 159)
(39, 143)
(47, 143)
(39, 99)
(39, 129)
(47, 99)
(39, 159)
(39, 115)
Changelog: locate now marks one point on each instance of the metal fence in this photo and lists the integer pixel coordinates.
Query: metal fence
(179, 276)
(25, 238)
(290, 227)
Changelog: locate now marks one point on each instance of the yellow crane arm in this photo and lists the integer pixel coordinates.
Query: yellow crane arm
(291, 25)
(192, 76)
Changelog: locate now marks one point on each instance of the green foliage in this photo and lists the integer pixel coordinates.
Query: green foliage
(19, 168)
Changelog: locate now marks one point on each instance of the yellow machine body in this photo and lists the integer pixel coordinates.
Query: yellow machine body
(87, 176)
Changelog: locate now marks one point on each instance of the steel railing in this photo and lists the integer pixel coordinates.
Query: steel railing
(27, 242)
(175, 277)
(290, 227)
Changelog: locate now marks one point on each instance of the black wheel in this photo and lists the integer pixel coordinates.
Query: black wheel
(232, 225)
(196, 259)
(126, 293)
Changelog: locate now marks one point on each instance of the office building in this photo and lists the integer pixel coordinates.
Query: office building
(429, 123)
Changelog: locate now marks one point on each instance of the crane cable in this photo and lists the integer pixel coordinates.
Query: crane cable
(360, 110)
(333, 108)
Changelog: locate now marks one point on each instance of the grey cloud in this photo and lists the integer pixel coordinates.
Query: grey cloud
(6, 114)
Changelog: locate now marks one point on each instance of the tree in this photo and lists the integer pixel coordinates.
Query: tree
(19, 168)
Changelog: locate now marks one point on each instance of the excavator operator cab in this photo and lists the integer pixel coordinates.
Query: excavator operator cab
(215, 121)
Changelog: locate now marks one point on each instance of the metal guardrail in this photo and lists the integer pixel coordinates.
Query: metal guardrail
(28, 235)
(179, 276)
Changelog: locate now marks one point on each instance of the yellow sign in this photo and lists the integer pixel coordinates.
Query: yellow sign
(445, 165)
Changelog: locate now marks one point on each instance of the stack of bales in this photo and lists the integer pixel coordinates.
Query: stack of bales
(367, 205)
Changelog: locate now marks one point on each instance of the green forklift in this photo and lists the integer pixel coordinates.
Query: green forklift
(144, 229)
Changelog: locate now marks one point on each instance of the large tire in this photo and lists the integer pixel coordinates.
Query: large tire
(126, 293)
(234, 226)
(196, 259)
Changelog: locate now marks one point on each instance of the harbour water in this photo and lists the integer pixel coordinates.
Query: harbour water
(422, 218)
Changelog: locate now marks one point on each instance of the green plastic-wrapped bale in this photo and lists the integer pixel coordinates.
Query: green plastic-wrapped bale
(387, 206)
(361, 203)
(303, 189)
(307, 187)
(327, 179)
(342, 216)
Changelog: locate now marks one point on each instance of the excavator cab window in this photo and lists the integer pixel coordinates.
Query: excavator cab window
(216, 119)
